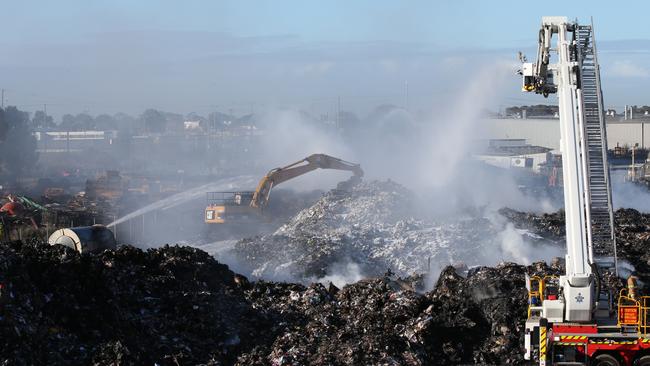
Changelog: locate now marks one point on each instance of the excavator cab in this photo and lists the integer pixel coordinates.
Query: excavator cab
(229, 206)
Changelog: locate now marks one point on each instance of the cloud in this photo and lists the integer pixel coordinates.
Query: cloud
(628, 69)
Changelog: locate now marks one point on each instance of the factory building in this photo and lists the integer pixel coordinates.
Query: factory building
(546, 131)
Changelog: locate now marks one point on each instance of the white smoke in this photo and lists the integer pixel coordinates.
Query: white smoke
(515, 248)
(188, 195)
(341, 274)
(628, 194)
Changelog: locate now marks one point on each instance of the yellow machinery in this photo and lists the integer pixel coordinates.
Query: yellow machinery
(541, 289)
(226, 207)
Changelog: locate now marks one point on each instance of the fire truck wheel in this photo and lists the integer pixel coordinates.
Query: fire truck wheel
(643, 361)
(605, 360)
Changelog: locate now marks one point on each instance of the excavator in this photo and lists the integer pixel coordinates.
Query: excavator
(226, 207)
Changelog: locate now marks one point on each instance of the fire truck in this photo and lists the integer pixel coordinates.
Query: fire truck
(575, 318)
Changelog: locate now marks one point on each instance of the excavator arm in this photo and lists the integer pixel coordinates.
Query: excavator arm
(306, 165)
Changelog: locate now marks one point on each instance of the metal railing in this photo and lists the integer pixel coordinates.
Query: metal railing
(633, 312)
(538, 290)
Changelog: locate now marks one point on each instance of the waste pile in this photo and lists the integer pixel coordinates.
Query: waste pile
(548, 225)
(177, 305)
(632, 230)
(372, 228)
(173, 305)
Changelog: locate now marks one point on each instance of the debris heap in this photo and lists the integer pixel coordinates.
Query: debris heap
(632, 230)
(368, 230)
(177, 305)
(464, 320)
(127, 306)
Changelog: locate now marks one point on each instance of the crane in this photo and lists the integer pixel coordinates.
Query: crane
(572, 318)
(228, 206)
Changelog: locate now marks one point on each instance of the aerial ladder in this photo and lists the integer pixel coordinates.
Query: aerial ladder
(579, 324)
(225, 207)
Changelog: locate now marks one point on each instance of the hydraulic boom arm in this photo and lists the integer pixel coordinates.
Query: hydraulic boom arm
(306, 165)
(563, 78)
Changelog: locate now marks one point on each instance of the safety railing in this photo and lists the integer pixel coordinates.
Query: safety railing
(540, 289)
(628, 310)
(644, 311)
(634, 311)
(535, 289)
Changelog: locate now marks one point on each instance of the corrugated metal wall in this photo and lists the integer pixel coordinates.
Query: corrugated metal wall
(546, 132)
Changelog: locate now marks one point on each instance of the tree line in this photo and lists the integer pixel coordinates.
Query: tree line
(150, 121)
(17, 143)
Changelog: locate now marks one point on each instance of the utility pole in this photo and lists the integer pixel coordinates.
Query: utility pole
(338, 114)
(407, 94)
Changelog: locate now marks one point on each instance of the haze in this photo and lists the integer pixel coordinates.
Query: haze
(238, 56)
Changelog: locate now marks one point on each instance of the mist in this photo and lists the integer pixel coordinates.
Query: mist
(424, 142)
(429, 152)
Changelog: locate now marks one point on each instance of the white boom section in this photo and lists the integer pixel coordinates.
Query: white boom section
(577, 297)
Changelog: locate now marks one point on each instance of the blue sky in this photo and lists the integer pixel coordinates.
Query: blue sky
(107, 56)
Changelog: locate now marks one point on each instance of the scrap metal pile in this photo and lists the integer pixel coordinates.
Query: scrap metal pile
(179, 305)
(371, 229)
(632, 233)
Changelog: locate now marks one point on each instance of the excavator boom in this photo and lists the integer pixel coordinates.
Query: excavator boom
(306, 165)
(247, 204)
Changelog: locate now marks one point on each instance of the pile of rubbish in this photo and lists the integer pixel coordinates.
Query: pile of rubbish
(178, 305)
(349, 235)
(548, 225)
(476, 317)
(173, 305)
(632, 230)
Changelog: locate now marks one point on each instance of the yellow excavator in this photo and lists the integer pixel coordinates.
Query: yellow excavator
(224, 207)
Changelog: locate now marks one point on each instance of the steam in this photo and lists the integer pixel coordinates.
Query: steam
(516, 248)
(628, 194)
(189, 195)
(430, 153)
(341, 274)
(292, 136)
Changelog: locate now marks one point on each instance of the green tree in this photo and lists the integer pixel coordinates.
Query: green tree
(68, 122)
(154, 121)
(42, 120)
(84, 121)
(18, 150)
(125, 123)
(105, 122)
(4, 127)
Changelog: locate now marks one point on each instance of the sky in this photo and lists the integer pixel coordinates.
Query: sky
(242, 55)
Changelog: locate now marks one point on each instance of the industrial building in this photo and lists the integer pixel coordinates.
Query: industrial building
(546, 131)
